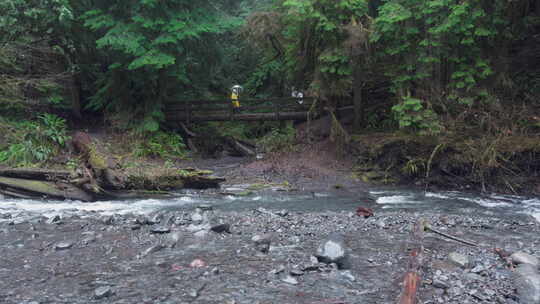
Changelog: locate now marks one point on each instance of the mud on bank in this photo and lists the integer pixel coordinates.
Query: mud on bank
(504, 164)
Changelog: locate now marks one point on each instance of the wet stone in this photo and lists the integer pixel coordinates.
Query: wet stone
(262, 242)
(152, 249)
(521, 257)
(221, 228)
(160, 229)
(109, 220)
(201, 233)
(56, 219)
(102, 292)
(173, 239)
(197, 263)
(282, 213)
(296, 272)
(478, 269)
(333, 250)
(197, 217)
(290, 280)
(527, 282)
(88, 240)
(348, 275)
(278, 270)
(437, 283)
(204, 207)
(63, 245)
(459, 259)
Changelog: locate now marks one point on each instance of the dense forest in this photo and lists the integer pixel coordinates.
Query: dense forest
(440, 69)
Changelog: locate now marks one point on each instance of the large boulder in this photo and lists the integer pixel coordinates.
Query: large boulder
(527, 283)
(521, 257)
(333, 249)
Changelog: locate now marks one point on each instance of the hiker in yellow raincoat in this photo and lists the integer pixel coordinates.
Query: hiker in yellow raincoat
(235, 97)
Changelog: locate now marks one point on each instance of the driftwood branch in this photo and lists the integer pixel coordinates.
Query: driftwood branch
(413, 277)
(448, 236)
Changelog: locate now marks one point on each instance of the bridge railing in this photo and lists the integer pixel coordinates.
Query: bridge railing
(251, 109)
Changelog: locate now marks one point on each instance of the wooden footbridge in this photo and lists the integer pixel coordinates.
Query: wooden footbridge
(250, 110)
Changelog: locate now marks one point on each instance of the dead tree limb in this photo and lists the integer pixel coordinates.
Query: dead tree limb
(413, 277)
(448, 236)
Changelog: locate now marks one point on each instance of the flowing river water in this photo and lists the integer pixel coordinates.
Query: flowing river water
(118, 252)
(380, 199)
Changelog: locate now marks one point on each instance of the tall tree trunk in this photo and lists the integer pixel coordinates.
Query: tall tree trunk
(358, 89)
(162, 86)
(75, 96)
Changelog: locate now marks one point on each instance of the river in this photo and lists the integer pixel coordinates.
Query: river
(144, 255)
(380, 199)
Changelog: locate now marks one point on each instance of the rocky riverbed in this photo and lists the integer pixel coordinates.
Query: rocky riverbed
(262, 256)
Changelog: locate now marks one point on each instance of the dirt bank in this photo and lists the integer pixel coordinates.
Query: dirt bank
(504, 164)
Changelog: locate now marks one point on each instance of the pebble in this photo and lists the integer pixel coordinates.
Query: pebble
(201, 233)
(56, 219)
(459, 259)
(88, 240)
(282, 213)
(174, 238)
(109, 220)
(262, 242)
(478, 269)
(152, 249)
(197, 217)
(437, 283)
(63, 245)
(160, 229)
(204, 207)
(197, 263)
(278, 270)
(290, 280)
(348, 275)
(221, 228)
(102, 292)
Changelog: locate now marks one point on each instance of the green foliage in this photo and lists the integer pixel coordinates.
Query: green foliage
(160, 144)
(54, 129)
(33, 142)
(316, 34)
(279, 139)
(412, 115)
(440, 45)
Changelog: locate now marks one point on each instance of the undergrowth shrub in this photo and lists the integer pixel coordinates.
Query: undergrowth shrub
(31, 142)
(160, 144)
(279, 139)
(412, 115)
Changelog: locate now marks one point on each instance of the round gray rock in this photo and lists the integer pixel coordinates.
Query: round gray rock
(521, 257)
(527, 283)
(459, 259)
(333, 250)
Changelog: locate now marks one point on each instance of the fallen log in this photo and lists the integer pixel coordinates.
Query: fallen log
(240, 147)
(167, 179)
(24, 188)
(413, 277)
(38, 174)
(99, 178)
(181, 116)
